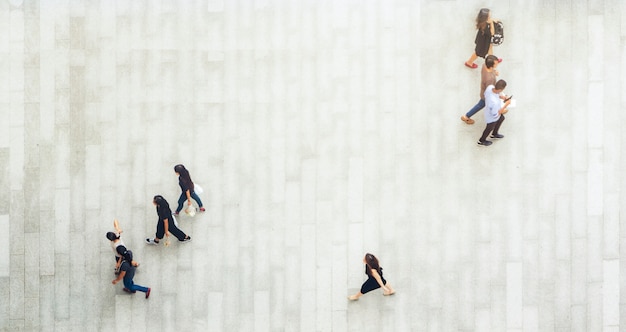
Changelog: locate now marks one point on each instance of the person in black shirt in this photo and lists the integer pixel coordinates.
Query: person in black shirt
(374, 280)
(165, 224)
(187, 187)
(127, 273)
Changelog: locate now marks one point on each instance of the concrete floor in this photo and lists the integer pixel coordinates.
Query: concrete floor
(320, 130)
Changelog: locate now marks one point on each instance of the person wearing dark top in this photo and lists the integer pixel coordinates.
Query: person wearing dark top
(165, 224)
(485, 29)
(187, 188)
(127, 273)
(374, 280)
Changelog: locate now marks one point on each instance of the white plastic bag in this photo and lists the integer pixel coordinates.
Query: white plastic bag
(197, 189)
(190, 210)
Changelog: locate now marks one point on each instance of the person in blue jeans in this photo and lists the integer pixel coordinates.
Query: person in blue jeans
(488, 75)
(187, 187)
(127, 273)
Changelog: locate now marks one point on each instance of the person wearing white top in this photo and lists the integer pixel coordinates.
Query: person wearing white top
(116, 241)
(494, 111)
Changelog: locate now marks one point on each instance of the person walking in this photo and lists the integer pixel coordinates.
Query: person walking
(488, 75)
(165, 224)
(494, 111)
(485, 27)
(116, 241)
(187, 187)
(374, 280)
(127, 273)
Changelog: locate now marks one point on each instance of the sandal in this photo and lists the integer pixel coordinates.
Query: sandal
(473, 65)
(467, 120)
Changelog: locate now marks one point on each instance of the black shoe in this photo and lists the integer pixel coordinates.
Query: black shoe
(188, 239)
(496, 136)
(485, 143)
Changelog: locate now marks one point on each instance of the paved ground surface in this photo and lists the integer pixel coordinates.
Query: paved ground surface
(320, 130)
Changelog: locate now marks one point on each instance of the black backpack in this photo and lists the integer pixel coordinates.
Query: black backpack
(498, 33)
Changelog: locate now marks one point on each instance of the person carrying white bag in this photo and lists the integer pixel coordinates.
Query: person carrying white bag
(188, 191)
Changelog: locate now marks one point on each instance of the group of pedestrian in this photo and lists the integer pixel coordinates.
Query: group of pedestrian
(125, 266)
(491, 89)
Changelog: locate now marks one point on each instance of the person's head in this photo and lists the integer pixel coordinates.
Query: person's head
(158, 200)
(112, 236)
(491, 61)
(121, 250)
(371, 261)
(125, 253)
(500, 85)
(482, 17)
(183, 173)
(180, 169)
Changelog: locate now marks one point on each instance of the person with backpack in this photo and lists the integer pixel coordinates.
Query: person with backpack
(127, 273)
(486, 29)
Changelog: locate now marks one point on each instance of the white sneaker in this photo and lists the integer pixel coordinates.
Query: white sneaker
(151, 241)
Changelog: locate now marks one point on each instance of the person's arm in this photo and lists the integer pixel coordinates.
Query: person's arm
(166, 226)
(503, 110)
(379, 280)
(188, 193)
(119, 277)
(116, 225)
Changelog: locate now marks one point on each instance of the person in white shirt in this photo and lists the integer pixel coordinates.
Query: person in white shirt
(116, 241)
(494, 111)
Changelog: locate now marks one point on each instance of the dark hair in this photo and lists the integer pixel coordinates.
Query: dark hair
(160, 201)
(184, 177)
(372, 262)
(500, 85)
(490, 60)
(127, 254)
(481, 19)
(112, 236)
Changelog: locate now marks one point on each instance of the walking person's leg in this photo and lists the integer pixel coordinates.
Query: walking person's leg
(181, 201)
(177, 232)
(496, 128)
(197, 199)
(479, 106)
(486, 132)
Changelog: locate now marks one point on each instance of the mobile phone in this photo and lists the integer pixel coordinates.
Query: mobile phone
(508, 98)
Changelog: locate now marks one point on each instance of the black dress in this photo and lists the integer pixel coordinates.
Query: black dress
(370, 284)
(483, 41)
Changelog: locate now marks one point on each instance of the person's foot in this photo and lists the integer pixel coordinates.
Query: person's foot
(151, 241)
(391, 292)
(473, 65)
(467, 120)
(496, 136)
(148, 293)
(353, 298)
(202, 209)
(500, 60)
(175, 214)
(128, 290)
(485, 143)
(187, 239)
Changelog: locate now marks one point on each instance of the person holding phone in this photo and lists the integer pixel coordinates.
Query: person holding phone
(494, 111)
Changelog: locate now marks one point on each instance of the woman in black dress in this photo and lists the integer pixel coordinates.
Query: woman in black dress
(166, 225)
(374, 280)
(485, 27)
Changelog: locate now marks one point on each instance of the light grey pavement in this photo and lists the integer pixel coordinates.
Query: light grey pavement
(320, 130)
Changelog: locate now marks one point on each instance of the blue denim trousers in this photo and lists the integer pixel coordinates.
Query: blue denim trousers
(183, 198)
(132, 287)
(479, 106)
